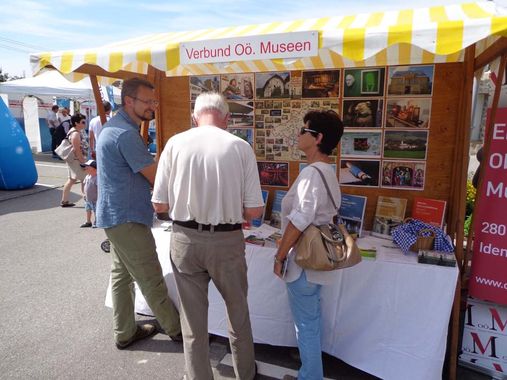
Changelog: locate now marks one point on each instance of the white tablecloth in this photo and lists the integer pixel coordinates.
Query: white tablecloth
(387, 317)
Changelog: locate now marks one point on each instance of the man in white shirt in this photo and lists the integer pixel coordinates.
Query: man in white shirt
(65, 119)
(53, 122)
(207, 179)
(95, 127)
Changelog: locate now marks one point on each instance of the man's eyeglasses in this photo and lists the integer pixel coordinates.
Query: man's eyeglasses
(82, 122)
(150, 102)
(303, 130)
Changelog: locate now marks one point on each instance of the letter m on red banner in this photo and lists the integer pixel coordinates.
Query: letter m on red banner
(488, 280)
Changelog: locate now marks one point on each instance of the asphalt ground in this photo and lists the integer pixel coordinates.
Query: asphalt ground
(53, 281)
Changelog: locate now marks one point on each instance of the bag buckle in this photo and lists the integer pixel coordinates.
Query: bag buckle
(335, 233)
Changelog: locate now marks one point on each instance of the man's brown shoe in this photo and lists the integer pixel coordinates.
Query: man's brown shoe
(143, 331)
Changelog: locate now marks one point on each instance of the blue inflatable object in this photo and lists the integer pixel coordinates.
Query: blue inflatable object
(17, 167)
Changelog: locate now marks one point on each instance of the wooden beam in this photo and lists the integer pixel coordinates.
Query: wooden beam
(457, 217)
(100, 72)
(497, 49)
(98, 99)
(159, 77)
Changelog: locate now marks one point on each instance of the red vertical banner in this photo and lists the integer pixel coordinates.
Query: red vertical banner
(488, 279)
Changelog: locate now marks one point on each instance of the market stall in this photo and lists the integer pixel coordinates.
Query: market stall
(401, 80)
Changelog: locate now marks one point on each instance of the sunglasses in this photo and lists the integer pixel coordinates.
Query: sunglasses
(303, 130)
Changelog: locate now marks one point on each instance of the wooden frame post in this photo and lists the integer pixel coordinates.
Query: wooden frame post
(457, 209)
(98, 99)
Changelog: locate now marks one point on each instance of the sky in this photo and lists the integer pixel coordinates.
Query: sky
(28, 26)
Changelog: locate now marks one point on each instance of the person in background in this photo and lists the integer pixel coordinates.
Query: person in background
(126, 172)
(95, 127)
(64, 125)
(65, 119)
(75, 171)
(307, 202)
(53, 122)
(208, 190)
(90, 191)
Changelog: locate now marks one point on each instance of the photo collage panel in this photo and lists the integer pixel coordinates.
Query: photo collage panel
(385, 111)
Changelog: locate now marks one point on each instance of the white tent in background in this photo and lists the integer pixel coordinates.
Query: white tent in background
(52, 83)
(30, 100)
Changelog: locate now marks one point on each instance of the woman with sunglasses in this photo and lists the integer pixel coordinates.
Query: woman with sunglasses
(79, 143)
(307, 202)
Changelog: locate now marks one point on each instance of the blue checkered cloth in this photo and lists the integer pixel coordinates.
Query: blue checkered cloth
(405, 235)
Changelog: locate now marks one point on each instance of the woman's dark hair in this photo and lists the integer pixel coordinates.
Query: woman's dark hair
(329, 124)
(76, 119)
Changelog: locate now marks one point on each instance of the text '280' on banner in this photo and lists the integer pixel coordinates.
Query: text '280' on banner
(268, 46)
(488, 280)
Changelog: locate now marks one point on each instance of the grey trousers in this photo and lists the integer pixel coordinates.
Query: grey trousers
(197, 257)
(135, 259)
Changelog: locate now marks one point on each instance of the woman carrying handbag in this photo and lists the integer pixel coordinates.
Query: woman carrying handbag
(307, 202)
(79, 156)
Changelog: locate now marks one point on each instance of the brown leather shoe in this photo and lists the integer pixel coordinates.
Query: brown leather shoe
(143, 331)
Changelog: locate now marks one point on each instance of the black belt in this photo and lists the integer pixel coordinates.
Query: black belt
(208, 227)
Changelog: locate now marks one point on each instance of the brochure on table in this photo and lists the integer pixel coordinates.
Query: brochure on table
(389, 214)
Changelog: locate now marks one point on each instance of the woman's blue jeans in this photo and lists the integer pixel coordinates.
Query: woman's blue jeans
(304, 300)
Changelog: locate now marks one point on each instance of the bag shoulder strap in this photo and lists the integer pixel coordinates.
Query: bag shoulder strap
(70, 132)
(327, 186)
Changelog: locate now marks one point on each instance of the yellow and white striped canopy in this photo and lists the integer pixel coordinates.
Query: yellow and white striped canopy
(425, 35)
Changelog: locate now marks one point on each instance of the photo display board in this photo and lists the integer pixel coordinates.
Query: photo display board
(386, 113)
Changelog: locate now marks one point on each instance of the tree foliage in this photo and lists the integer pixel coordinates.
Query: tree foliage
(4, 77)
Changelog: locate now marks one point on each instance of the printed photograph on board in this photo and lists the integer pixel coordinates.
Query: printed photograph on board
(243, 133)
(363, 82)
(321, 84)
(273, 173)
(362, 113)
(403, 174)
(408, 112)
(203, 83)
(296, 80)
(361, 143)
(237, 86)
(359, 172)
(410, 80)
(409, 144)
(241, 115)
(272, 85)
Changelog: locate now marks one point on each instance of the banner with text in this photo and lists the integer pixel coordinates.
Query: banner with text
(488, 280)
(268, 46)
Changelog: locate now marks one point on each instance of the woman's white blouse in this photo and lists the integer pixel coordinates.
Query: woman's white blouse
(307, 202)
